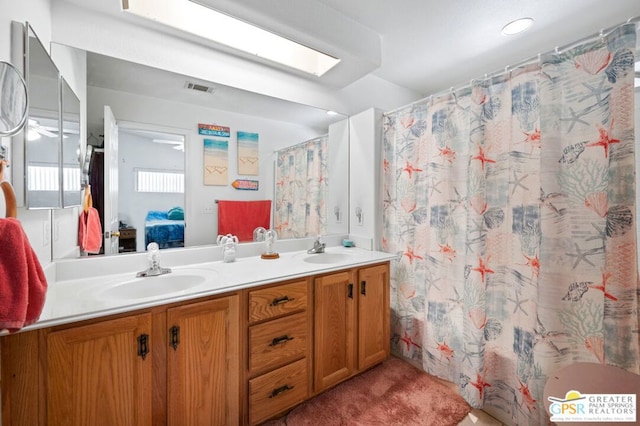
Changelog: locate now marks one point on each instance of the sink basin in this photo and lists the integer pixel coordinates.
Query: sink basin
(326, 258)
(170, 284)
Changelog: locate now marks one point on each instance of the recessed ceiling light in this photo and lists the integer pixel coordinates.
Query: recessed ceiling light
(331, 112)
(517, 26)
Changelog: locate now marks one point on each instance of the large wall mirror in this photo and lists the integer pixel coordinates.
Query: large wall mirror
(71, 172)
(158, 113)
(49, 176)
(42, 136)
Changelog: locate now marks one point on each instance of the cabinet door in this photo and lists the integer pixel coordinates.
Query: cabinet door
(95, 375)
(334, 345)
(203, 366)
(373, 315)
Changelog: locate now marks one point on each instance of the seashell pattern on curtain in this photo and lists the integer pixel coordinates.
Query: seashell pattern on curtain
(512, 206)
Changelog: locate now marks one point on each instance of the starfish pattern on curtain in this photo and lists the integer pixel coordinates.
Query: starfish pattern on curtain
(301, 189)
(512, 206)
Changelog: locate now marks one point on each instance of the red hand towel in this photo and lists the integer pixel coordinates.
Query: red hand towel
(90, 231)
(23, 286)
(240, 218)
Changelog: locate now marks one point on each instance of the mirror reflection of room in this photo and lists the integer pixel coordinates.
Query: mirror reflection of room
(71, 151)
(43, 127)
(158, 113)
(13, 111)
(151, 190)
(301, 189)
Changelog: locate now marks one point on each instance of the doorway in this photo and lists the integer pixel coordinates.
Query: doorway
(151, 186)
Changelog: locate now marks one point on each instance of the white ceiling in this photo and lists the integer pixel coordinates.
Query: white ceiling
(429, 45)
(432, 45)
(422, 45)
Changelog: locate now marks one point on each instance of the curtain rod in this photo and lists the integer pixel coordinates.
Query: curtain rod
(605, 32)
(300, 143)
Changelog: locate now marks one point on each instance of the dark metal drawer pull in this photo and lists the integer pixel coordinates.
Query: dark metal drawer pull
(281, 339)
(279, 300)
(143, 345)
(281, 389)
(174, 337)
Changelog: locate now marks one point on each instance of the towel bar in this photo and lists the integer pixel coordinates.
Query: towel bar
(9, 199)
(9, 195)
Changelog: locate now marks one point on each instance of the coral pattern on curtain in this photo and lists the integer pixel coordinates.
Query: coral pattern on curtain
(512, 205)
(301, 189)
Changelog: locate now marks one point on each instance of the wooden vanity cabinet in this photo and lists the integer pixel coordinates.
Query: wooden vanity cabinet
(236, 358)
(335, 334)
(279, 337)
(203, 363)
(373, 322)
(351, 332)
(100, 374)
(123, 371)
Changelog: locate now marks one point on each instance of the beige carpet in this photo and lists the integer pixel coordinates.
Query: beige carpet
(393, 393)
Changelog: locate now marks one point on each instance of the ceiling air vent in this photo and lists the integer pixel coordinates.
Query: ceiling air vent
(199, 87)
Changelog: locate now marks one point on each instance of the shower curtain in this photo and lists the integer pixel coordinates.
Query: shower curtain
(512, 206)
(301, 189)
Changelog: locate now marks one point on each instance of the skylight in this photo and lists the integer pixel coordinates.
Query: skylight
(202, 21)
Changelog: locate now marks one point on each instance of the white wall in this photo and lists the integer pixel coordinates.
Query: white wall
(36, 12)
(338, 193)
(365, 143)
(184, 118)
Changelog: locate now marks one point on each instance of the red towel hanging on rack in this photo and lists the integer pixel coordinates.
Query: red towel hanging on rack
(89, 226)
(240, 218)
(23, 286)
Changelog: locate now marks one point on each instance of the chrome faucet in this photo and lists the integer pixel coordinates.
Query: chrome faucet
(153, 258)
(318, 246)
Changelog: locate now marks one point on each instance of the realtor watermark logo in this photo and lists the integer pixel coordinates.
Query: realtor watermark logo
(577, 407)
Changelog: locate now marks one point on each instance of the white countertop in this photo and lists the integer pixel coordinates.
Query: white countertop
(81, 298)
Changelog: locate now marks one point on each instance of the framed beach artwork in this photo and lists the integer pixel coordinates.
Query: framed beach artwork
(216, 162)
(248, 156)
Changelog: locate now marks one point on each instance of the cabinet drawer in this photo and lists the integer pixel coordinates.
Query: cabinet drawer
(277, 342)
(276, 391)
(275, 301)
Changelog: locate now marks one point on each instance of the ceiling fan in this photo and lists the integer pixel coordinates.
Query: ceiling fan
(177, 144)
(35, 130)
